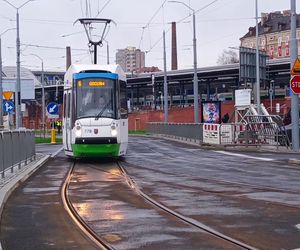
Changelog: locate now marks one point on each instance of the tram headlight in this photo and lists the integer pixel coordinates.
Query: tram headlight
(78, 131)
(114, 130)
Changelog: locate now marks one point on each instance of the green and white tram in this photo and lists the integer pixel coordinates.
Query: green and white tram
(95, 120)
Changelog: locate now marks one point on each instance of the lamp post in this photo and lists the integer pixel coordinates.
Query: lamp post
(18, 83)
(43, 94)
(196, 103)
(1, 87)
(257, 61)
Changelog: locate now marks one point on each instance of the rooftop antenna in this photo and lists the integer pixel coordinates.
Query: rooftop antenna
(95, 40)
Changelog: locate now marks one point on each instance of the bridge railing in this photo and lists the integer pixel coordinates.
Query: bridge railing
(16, 147)
(183, 131)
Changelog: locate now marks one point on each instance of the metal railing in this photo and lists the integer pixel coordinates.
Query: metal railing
(257, 130)
(16, 147)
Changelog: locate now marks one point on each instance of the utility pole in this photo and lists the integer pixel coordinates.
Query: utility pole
(165, 81)
(195, 85)
(43, 94)
(1, 82)
(294, 98)
(18, 83)
(257, 62)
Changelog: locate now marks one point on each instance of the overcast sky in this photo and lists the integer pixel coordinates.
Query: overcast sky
(139, 23)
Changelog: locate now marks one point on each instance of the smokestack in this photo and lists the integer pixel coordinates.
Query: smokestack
(68, 57)
(174, 65)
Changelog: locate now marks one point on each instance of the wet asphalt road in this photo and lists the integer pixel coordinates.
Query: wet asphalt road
(254, 200)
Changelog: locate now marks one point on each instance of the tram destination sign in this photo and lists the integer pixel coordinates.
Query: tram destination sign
(295, 84)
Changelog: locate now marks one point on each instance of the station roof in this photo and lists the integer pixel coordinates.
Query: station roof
(11, 72)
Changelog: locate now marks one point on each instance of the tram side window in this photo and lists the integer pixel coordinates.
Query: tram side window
(64, 106)
(123, 100)
(69, 105)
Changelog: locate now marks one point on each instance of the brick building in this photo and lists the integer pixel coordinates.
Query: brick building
(274, 34)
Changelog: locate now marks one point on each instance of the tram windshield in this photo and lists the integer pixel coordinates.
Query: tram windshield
(95, 98)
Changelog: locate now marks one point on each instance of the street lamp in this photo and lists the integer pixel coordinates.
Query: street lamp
(1, 88)
(257, 61)
(18, 84)
(43, 94)
(196, 107)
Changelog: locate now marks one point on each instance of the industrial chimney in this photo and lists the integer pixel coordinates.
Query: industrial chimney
(68, 57)
(174, 65)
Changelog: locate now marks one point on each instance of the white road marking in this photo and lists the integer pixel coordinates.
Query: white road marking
(56, 153)
(245, 156)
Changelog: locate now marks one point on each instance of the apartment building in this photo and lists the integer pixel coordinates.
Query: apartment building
(274, 34)
(131, 59)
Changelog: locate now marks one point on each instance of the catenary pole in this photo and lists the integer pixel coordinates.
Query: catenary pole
(165, 81)
(257, 61)
(294, 97)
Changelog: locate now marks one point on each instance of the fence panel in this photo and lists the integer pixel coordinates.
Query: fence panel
(7, 150)
(182, 130)
(1, 153)
(15, 147)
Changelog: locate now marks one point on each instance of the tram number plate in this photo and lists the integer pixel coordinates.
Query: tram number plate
(88, 131)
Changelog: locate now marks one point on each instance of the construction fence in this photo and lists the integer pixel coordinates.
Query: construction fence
(256, 131)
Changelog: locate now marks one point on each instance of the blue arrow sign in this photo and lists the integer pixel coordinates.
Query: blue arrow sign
(8, 106)
(52, 108)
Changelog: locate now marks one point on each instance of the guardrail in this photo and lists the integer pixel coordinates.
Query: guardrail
(184, 131)
(16, 147)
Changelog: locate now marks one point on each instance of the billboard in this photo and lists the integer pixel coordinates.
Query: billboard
(27, 87)
(211, 112)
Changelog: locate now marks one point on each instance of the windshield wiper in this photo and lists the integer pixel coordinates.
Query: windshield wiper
(102, 110)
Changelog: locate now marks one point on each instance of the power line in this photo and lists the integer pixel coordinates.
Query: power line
(48, 47)
(104, 6)
(148, 23)
(180, 21)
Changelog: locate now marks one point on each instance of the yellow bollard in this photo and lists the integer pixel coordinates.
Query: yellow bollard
(53, 137)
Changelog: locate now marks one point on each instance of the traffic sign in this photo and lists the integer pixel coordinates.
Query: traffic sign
(295, 84)
(8, 106)
(296, 68)
(52, 108)
(7, 94)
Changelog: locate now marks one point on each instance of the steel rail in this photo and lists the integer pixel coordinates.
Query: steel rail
(84, 227)
(188, 220)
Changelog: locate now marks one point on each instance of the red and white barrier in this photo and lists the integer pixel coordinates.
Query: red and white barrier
(211, 133)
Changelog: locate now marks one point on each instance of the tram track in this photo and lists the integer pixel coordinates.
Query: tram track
(181, 217)
(85, 228)
(102, 244)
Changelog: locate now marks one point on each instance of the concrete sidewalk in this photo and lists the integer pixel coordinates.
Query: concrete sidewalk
(13, 179)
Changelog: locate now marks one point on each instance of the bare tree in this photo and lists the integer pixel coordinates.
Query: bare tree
(228, 57)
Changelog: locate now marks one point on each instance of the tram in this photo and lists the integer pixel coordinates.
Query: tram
(95, 114)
